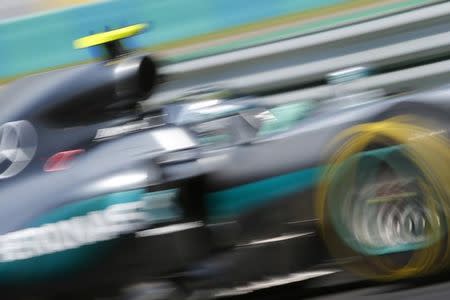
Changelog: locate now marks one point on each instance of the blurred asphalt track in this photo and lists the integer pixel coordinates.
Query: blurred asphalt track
(292, 27)
(341, 287)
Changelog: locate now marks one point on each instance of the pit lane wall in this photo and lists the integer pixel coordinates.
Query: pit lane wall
(44, 41)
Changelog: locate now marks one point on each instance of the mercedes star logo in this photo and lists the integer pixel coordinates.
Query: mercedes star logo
(18, 143)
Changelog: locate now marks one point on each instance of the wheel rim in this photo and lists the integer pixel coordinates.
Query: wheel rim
(429, 157)
(387, 215)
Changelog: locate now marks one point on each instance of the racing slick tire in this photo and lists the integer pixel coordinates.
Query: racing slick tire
(383, 199)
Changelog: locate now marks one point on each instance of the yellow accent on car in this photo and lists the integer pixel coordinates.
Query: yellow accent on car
(109, 36)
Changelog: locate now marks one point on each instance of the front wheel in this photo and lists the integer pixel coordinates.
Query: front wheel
(384, 200)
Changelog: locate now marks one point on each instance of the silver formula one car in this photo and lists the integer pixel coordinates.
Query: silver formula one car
(213, 191)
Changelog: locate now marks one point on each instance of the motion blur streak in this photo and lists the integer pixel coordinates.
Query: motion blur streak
(427, 155)
(13, 9)
(61, 160)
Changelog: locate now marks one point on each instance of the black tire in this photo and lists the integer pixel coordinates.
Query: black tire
(425, 156)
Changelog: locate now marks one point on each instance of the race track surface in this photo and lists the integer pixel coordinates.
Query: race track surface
(342, 289)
